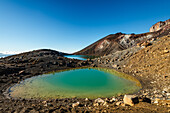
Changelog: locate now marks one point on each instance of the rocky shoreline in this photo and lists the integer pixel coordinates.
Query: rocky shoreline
(14, 69)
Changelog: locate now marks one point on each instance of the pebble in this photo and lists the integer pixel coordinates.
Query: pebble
(75, 104)
(156, 100)
(99, 100)
(119, 103)
(168, 94)
(105, 104)
(164, 92)
(46, 105)
(96, 104)
(86, 99)
(44, 102)
(113, 99)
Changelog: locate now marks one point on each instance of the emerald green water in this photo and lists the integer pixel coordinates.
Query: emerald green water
(82, 83)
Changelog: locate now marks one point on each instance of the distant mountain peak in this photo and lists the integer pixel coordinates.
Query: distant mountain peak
(159, 25)
(9, 52)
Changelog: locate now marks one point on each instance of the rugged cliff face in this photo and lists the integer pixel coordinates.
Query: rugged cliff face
(159, 25)
(121, 41)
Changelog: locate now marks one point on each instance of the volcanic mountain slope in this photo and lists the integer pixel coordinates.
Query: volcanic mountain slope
(121, 41)
(150, 65)
(152, 62)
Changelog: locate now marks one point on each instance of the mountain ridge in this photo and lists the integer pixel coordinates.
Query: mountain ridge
(121, 41)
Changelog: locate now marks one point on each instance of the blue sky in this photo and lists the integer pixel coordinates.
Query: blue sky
(70, 25)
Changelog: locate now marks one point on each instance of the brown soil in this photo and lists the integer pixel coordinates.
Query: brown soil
(152, 63)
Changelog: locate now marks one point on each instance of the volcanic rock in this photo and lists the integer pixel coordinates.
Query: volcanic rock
(75, 104)
(99, 100)
(130, 100)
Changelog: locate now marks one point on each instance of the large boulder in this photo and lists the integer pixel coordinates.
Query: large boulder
(130, 100)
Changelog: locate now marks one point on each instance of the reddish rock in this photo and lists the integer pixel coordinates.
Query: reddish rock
(159, 25)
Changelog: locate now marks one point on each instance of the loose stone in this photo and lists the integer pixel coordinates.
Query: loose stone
(75, 104)
(130, 100)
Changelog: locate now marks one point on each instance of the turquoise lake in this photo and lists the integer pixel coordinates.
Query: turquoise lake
(4, 55)
(81, 83)
(79, 57)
